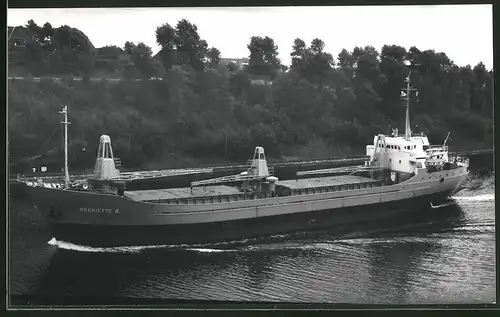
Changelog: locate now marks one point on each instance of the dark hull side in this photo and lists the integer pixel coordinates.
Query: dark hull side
(339, 220)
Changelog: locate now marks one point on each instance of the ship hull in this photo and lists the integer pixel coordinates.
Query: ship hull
(340, 221)
(106, 220)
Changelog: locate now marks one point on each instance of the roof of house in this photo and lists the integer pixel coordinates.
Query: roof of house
(226, 60)
(18, 31)
(22, 31)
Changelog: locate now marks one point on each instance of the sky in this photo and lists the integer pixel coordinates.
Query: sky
(463, 32)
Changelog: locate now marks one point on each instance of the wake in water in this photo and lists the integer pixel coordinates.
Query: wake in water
(137, 249)
(125, 249)
(485, 198)
(478, 185)
(477, 189)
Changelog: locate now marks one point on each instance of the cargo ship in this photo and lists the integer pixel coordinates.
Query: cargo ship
(402, 173)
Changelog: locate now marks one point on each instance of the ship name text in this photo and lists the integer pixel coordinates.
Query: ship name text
(108, 211)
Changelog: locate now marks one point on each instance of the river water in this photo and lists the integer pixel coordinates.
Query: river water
(445, 258)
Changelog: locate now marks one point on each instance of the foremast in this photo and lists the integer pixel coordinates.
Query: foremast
(405, 96)
(65, 122)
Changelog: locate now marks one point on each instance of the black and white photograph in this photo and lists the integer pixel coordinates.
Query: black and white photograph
(329, 155)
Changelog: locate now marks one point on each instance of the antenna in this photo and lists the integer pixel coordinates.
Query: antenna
(11, 33)
(405, 95)
(446, 140)
(64, 112)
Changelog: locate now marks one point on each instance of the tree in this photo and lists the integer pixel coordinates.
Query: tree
(232, 67)
(393, 72)
(128, 47)
(182, 45)
(239, 84)
(213, 55)
(479, 91)
(192, 49)
(366, 81)
(110, 51)
(263, 57)
(142, 58)
(321, 63)
(165, 36)
(299, 57)
(63, 49)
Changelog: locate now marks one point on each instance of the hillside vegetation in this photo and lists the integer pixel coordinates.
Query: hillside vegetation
(318, 106)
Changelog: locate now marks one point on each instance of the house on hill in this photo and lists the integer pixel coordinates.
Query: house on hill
(17, 38)
(239, 62)
(111, 59)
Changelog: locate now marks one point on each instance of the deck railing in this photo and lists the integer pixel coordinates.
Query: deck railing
(438, 147)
